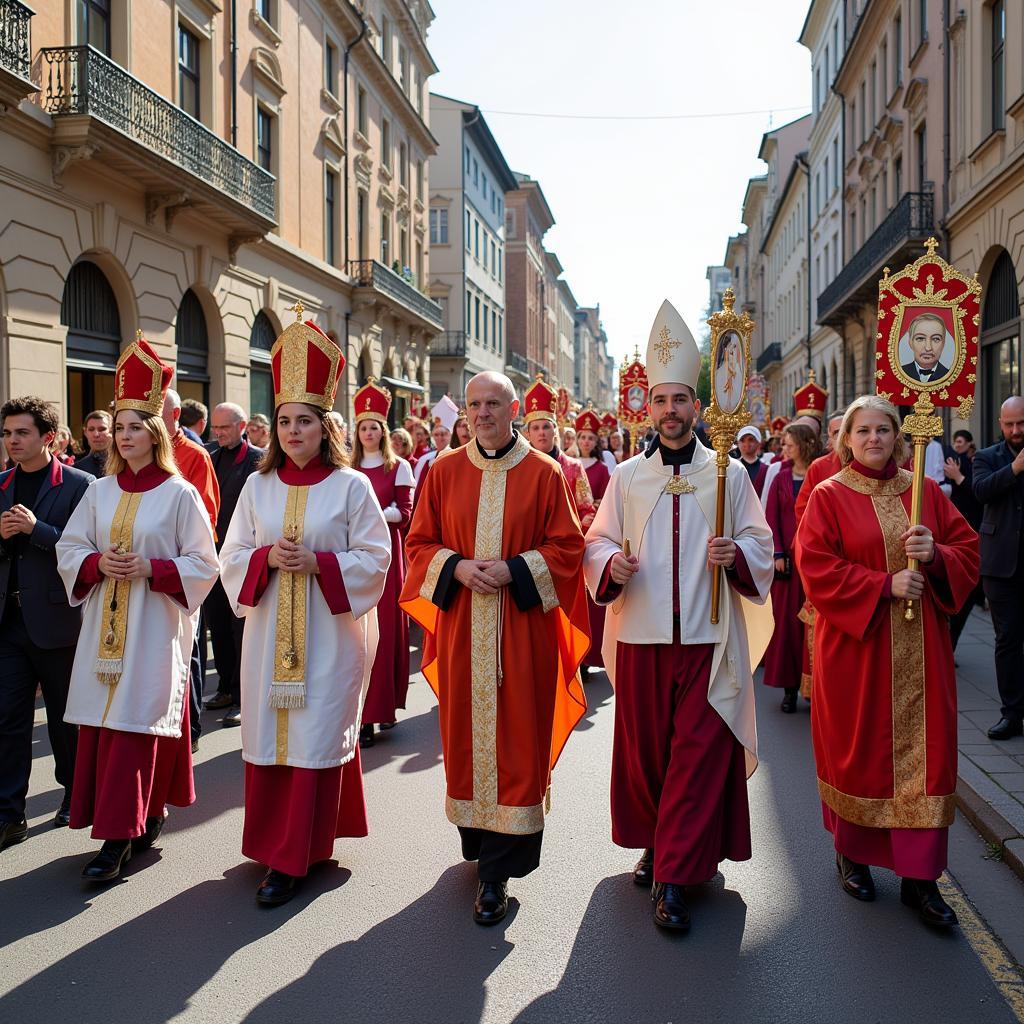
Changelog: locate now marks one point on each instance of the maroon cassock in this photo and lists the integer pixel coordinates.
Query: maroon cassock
(389, 680)
(598, 477)
(783, 661)
(679, 781)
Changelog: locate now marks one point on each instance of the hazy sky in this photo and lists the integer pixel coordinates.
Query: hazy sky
(642, 206)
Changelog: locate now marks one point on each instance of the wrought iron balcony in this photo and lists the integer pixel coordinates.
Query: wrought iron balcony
(449, 343)
(771, 355)
(15, 53)
(894, 242)
(96, 104)
(394, 289)
(517, 362)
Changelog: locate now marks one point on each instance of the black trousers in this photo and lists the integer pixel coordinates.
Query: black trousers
(958, 621)
(501, 856)
(1006, 601)
(226, 635)
(23, 666)
(197, 677)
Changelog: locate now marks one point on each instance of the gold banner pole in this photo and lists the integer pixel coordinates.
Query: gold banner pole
(922, 425)
(722, 460)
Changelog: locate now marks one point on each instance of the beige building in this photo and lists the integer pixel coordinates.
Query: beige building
(193, 178)
(986, 188)
(891, 83)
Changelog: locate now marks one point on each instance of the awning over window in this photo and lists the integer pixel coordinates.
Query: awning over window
(397, 384)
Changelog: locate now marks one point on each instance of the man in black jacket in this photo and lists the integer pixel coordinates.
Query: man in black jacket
(38, 628)
(999, 486)
(234, 460)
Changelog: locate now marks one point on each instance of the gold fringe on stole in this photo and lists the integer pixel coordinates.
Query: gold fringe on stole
(114, 624)
(288, 686)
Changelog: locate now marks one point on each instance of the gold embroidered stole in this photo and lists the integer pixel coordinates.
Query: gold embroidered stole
(288, 686)
(114, 625)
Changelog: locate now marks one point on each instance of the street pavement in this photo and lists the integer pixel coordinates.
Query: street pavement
(385, 934)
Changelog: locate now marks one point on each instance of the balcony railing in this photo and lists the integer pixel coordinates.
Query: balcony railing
(517, 361)
(81, 80)
(372, 274)
(911, 220)
(15, 50)
(772, 354)
(449, 343)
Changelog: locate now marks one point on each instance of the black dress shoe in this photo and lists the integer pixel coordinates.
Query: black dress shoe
(63, 816)
(154, 826)
(643, 873)
(218, 701)
(276, 888)
(232, 718)
(670, 910)
(12, 832)
(107, 864)
(856, 878)
(366, 736)
(491, 904)
(925, 898)
(385, 726)
(1005, 729)
(788, 705)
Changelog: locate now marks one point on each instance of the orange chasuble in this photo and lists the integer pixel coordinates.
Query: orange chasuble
(883, 719)
(506, 679)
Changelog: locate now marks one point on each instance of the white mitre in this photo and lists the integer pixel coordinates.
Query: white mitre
(672, 354)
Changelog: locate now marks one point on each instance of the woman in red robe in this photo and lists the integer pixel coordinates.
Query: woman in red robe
(392, 482)
(783, 659)
(588, 440)
(883, 719)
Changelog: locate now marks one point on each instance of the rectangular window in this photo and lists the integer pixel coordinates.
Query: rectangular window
(476, 318)
(403, 249)
(997, 12)
(922, 21)
(883, 68)
(853, 124)
(265, 139)
(469, 162)
(874, 94)
(330, 67)
(362, 224)
(486, 336)
(362, 114)
(501, 332)
(330, 216)
(419, 180)
(921, 154)
(469, 233)
(438, 225)
(835, 164)
(385, 239)
(494, 257)
(385, 41)
(476, 172)
(403, 68)
(403, 165)
(476, 239)
(188, 71)
(265, 8)
(485, 252)
(825, 179)
(419, 268)
(897, 179)
(94, 24)
(897, 42)
(863, 112)
(385, 144)
(494, 329)
(501, 260)
(469, 319)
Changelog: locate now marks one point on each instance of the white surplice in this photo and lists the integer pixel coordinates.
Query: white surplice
(342, 517)
(636, 506)
(171, 523)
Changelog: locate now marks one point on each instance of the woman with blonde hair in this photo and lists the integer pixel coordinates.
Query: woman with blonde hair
(392, 481)
(138, 553)
(401, 445)
(304, 561)
(883, 720)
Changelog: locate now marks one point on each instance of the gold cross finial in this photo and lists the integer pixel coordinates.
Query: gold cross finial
(298, 309)
(810, 376)
(728, 299)
(931, 245)
(138, 334)
(665, 346)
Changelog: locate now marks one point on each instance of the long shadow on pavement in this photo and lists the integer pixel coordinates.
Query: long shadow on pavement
(427, 963)
(148, 969)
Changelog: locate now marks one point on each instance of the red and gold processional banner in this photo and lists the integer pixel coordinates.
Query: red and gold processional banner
(633, 390)
(563, 408)
(759, 401)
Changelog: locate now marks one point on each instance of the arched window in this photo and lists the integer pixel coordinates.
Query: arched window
(1000, 343)
(193, 345)
(89, 309)
(261, 383)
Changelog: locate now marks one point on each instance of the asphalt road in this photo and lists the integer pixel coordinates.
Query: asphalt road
(385, 934)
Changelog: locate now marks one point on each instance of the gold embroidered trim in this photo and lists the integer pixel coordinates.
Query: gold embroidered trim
(807, 616)
(116, 593)
(281, 741)
(509, 461)
(541, 579)
(288, 686)
(849, 477)
(584, 495)
(515, 821)
(884, 812)
(434, 573)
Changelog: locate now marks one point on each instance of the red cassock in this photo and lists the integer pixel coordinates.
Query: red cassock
(883, 719)
(783, 659)
(389, 680)
(598, 477)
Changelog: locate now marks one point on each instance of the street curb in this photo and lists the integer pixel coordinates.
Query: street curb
(992, 826)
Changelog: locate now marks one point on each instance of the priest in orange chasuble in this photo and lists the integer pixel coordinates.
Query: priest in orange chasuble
(495, 554)
(883, 719)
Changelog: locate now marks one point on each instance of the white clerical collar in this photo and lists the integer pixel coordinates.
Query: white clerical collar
(372, 461)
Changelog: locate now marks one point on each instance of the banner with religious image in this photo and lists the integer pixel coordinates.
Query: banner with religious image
(633, 397)
(759, 401)
(563, 408)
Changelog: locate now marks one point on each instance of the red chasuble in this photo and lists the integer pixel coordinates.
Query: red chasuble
(883, 720)
(503, 666)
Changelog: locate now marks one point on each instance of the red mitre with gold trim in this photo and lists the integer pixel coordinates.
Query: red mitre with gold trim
(588, 420)
(306, 365)
(609, 423)
(779, 424)
(372, 402)
(141, 380)
(541, 399)
(811, 399)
